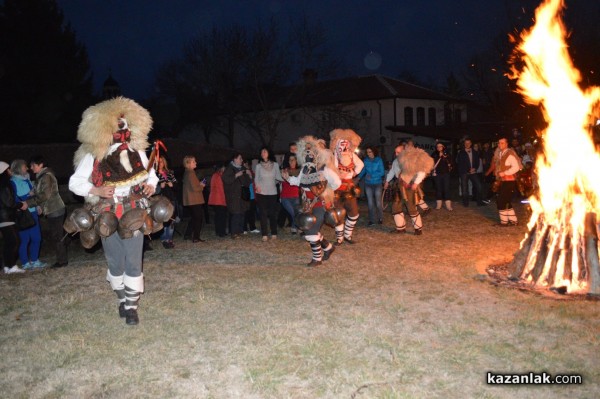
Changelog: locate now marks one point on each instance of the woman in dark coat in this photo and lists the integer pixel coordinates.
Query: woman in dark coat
(234, 178)
(8, 216)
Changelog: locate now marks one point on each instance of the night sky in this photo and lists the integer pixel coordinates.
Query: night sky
(429, 38)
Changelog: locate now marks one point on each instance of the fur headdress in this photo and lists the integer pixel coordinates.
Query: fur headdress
(413, 160)
(99, 122)
(322, 158)
(344, 134)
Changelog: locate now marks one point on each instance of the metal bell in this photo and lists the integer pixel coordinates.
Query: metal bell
(89, 238)
(148, 226)
(124, 233)
(133, 219)
(106, 223)
(305, 221)
(80, 219)
(331, 218)
(162, 210)
(341, 215)
(156, 227)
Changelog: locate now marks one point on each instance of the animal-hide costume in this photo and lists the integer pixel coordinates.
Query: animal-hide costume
(318, 180)
(114, 136)
(413, 165)
(343, 144)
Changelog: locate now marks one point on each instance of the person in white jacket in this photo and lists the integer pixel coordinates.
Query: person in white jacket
(111, 164)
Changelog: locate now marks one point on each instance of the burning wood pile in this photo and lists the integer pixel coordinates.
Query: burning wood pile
(560, 250)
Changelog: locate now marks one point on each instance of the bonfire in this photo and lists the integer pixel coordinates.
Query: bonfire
(560, 250)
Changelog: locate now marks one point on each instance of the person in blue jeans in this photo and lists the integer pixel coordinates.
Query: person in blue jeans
(31, 238)
(373, 173)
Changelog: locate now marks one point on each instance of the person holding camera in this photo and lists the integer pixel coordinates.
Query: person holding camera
(441, 176)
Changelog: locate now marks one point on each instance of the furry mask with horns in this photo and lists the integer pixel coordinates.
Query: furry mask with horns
(119, 120)
(343, 143)
(313, 156)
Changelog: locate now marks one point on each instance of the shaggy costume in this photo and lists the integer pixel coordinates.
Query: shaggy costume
(410, 168)
(317, 180)
(113, 136)
(348, 165)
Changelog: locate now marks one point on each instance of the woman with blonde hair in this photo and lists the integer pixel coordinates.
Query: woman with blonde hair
(193, 198)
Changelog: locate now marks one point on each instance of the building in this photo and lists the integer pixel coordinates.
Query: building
(382, 110)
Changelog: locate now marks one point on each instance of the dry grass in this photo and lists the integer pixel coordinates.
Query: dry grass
(390, 317)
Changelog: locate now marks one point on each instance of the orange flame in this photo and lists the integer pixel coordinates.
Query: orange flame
(568, 168)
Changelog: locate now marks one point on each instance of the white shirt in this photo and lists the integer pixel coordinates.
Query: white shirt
(80, 182)
(513, 164)
(333, 179)
(266, 180)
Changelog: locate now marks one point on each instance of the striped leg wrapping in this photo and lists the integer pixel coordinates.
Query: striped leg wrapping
(325, 245)
(116, 283)
(134, 286)
(416, 221)
(339, 233)
(504, 216)
(349, 226)
(423, 205)
(399, 221)
(315, 246)
(512, 216)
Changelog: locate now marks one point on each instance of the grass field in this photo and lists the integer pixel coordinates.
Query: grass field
(390, 317)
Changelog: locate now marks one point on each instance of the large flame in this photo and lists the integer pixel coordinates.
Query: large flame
(568, 168)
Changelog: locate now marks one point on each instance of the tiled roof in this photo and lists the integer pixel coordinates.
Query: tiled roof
(340, 91)
(365, 88)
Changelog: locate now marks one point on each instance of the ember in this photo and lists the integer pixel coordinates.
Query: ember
(560, 251)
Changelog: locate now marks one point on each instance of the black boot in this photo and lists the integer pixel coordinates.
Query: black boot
(131, 317)
(327, 254)
(122, 309)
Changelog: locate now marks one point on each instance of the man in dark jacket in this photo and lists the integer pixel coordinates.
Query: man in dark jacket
(51, 205)
(467, 162)
(234, 178)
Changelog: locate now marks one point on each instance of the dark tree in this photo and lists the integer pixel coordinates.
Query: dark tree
(45, 79)
(243, 76)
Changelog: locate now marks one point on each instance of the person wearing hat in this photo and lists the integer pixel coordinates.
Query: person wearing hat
(8, 216)
(111, 164)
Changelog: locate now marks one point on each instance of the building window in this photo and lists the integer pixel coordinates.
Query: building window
(408, 116)
(420, 116)
(457, 117)
(432, 116)
(447, 116)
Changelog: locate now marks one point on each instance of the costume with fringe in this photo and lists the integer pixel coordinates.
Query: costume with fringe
(410, 167)
(343, 143)
(113, 136)
(317, 180)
